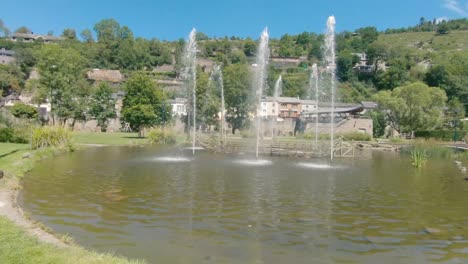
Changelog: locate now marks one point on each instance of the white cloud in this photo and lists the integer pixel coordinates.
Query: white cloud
(456, 6)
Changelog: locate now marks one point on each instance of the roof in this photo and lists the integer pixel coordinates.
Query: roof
(308, 102)
(178, 101)
(369, 104)
(105, 75)
(36, 36)
(337, 110)
(288, 100)
(6, 52)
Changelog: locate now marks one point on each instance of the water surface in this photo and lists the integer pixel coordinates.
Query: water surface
(165, 206)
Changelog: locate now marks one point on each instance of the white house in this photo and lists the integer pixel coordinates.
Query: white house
(179, 107)
(308, 105)
(269, 107)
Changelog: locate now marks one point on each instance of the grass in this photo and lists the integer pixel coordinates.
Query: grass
(428, 41)
(18, 247)
(114, 138)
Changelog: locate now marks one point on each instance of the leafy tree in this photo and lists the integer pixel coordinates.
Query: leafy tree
(201, 36)
(87, 36)
(11, 79)
(61, 76)
(345, 62)
(368, 35)
(378, 120)
(442, 29)
(144, 104)
(3, 29)
(23, 30)
(250, 47)
(237, 93)
(24, 111)
(102, 106)
(107, 30)
(413, 107)
(69, 33)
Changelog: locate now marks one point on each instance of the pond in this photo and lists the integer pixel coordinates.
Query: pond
(165, 206)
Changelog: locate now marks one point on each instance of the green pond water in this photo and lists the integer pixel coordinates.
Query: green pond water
(162, 205)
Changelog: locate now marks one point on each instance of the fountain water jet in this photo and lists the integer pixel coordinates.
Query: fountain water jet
(217, 77)
(278, 87)
(263, 54)
(189, 74)
(331, 66)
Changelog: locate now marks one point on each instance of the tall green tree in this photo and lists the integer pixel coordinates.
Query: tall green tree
(237, 94)
(102, 106)
(61, 79)
(24, 111)
(144, 104)
(412, 107)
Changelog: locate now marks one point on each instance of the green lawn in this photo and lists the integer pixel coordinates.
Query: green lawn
(111, 138)
(10, 157)
(18, 247)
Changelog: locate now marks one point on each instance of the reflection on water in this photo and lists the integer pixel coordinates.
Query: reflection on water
(215, 209)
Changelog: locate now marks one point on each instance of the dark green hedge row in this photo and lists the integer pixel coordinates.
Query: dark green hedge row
(11, 135)
(446, 135)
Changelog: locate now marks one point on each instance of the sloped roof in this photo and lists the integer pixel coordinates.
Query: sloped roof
(105, 75)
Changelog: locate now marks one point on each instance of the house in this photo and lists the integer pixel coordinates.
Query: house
(97, 75)
(179, 107)
(308, 105)
(362, 66)
(7, 56)
(289, 107)
(30, 37)
(268, 107)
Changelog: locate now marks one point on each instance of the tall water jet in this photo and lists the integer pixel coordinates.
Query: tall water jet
(263, 54)
(189, 74)
(331, 66)
(217, 78)
(278, 87)
(315, 77)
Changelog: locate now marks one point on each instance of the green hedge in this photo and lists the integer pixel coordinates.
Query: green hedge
(446, 135)
(12, 135)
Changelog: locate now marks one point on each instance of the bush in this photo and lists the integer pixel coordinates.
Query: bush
(356, 136)
(13, 135)
(51, 136)
(161, 136)
(446, 135)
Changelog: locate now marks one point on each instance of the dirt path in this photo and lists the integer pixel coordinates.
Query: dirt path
(10, 209)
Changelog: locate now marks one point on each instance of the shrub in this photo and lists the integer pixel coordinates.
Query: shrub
(446, 135)
(51, 136)
(161, 136)
(13, 135)
(357, 136)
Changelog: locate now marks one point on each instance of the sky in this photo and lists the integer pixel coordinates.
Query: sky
(173, 19)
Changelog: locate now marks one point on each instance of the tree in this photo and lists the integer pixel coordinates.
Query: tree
(368, 35)
(412, 107)
(69, 33)
(237, 93)
(102, 106)
(345, 62)
(61, 80)
(107, 30)
(24, 111)
(144, 104)
(87, 36)
(3, 29)
(23, 30)
(199, 36)
(442, 28)
(250, 47)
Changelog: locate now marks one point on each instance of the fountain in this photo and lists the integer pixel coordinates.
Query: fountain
(217, 77)
(315, 77)
(278, 87)
(189, 74)
(331, 66)
(263, 54)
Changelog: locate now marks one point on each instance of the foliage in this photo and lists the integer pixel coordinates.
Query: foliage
(355, 136)
(412, 107)
(161, 136)
(61, 80)
(54, 136)
(418, 157)
(237, 86)
(446, 135)
(102, 106)
(144, 104)
(378, 120)
(24, 111)
(13, 135)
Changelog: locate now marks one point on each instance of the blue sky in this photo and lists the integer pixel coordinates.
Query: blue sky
(173, 19)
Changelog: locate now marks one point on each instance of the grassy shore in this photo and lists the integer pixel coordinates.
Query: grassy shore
(17, 245)
(114, 138)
